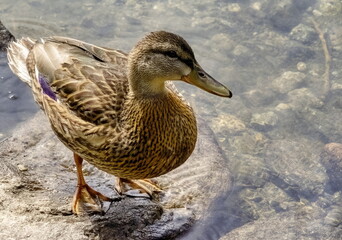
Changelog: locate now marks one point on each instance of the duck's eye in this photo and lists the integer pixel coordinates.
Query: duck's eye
(201, 74)
(171, 54)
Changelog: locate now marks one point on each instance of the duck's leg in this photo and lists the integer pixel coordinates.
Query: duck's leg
(85, 198)
(147, 186)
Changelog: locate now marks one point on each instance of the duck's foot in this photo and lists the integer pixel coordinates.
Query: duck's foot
(145, 187)
(87, 200)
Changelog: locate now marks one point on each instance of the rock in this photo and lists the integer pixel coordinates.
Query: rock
(303, 98)
(22, 167)
(266, 201)
(288, 81)
(296, 53)
(334, 217)
(259, 97)
(256, 6)
(248, 142)
(301, 66)
(264, 121)
(5, 37)
(37, 200)
(221, 42)
(312, 111)
(287, 225)
(240, 50)
(303, 34)
(282, 107)
(234, 7)
(295, 168)
(284, 15)
(330, 7)
(336, 87)
(227, 123)
(251, 172)
(331, 158)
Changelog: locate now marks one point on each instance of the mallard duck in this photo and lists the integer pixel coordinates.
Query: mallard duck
(120, 112)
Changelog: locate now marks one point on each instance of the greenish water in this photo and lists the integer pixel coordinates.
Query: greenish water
(273, 131)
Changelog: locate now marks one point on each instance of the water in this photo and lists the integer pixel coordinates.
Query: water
(275, 128)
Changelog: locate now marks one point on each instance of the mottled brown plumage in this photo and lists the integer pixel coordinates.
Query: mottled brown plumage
(117, 111)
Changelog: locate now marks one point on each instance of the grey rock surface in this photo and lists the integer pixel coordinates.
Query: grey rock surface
(38, 180)
(264, 121)
(288, 81)
(292, 163)
(331, 158)
(5, 37)
(303, 33)
(285, 226)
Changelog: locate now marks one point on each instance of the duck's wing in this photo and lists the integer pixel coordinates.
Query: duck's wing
(87, 81)
(102, 53)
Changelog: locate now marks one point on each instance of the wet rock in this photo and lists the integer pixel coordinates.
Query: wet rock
(5, 37)
(288, 81)
(234, 7)
(298, 54)
(312, 112)
(128, 219)
(264, 121)
(303, 34)
(22, 167)
(303, 98)
(301, 66)
(266, 201)
(245, 56)
(240, 50)
(331, 158)
(9, 171)
(282, 107)
(40, 195)
(287, 225)
(221, 42)
(334, 216)
(336, 87)
(330, 7)
(295, 168)
(249, 142)
(250, 172)
(284, 15)
(226, 123)
(259, 97)
(151, 223)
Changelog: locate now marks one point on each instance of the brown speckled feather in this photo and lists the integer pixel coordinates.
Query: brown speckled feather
(90, 80)
(94, 112)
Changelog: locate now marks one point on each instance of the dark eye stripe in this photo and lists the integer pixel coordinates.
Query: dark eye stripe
(171, 54)
(188, 62)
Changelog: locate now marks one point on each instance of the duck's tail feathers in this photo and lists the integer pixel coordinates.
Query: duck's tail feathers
(17, 53)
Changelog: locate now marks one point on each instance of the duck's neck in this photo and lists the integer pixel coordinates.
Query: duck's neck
(146, 86)
(143, 79)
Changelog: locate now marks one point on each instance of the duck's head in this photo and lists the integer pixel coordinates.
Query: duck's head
(162, 56)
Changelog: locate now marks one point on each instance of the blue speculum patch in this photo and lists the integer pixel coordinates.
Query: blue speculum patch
(46, 88)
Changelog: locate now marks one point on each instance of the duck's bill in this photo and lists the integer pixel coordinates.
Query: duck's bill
(199, 78)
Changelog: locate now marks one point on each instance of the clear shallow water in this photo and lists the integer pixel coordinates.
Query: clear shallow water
(273, 131)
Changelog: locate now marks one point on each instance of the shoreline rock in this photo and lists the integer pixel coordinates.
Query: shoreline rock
(5, 37)
(35, 203)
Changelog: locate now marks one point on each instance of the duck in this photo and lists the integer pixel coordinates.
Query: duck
(118, 111)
